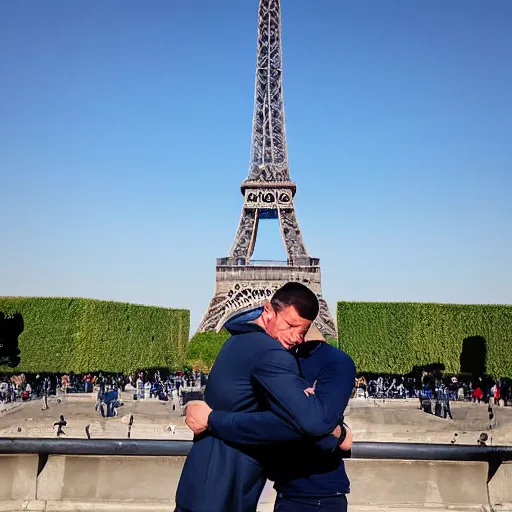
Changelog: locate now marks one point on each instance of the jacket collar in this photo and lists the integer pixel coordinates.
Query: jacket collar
(242, 322)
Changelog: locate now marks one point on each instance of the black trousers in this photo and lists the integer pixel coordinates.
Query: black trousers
(298, 504)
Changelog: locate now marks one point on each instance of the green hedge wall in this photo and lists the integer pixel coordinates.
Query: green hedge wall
(393, 337)
(204, 348)
(82, 335)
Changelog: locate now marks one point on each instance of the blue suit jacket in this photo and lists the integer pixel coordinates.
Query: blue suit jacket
(253, 372)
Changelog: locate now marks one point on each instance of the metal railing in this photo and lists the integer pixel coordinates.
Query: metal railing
(246, 262)
(494, 456)
(145, 447)
(269, 263)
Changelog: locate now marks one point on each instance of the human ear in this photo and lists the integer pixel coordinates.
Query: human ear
(268, 310)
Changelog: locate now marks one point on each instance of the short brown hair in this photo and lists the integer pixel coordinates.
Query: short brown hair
(299, 296)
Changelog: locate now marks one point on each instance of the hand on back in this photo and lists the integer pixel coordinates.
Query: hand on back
(197, 413)
(346, 444)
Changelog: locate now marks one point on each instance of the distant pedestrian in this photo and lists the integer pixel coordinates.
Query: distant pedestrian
(47, 386)
(140, 388)
(496, 394)
(59, 424)
(482, 440)
(478, 394)
(447, 411)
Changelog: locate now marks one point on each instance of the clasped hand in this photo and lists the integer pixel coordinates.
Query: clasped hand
(197, 413)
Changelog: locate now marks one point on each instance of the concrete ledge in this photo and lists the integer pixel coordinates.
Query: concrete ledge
(93, 478)
(18, 477)
(139, 483)
(500, 486)
(410, 485)
(26, 506)
(10, 407)
(168, 506)
(139, 506)
(83, 506)
(431, 483)
(504, 507)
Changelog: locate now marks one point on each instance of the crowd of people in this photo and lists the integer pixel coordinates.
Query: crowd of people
(15, 388)
(165, 388)
(158, 384)
(435, 385)
(168, 385)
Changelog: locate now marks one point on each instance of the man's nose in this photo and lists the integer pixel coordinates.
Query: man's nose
(299, 336)
(289, 337)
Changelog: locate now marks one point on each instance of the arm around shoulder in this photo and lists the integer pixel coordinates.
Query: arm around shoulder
(276, 371)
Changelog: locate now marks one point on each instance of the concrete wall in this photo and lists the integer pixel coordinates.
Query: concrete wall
(500, 486)
(92, 483)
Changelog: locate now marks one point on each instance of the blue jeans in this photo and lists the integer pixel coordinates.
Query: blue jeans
(299, 504)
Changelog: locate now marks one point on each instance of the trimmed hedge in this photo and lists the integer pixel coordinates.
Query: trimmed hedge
(82, 335)
(333, 342)
(204, 347)
(386, 337)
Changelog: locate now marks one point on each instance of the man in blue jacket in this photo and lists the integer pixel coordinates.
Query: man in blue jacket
(255, 371)
(305, 477)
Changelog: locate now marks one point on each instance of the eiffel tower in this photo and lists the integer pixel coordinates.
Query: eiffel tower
(268, 194)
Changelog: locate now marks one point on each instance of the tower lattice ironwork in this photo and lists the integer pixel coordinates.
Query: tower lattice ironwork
(268, 194)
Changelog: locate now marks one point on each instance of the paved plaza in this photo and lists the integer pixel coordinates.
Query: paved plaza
(153, 419)
(371, 420)
(403, 421)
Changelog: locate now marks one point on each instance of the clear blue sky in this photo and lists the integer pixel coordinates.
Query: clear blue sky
(125, 133)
